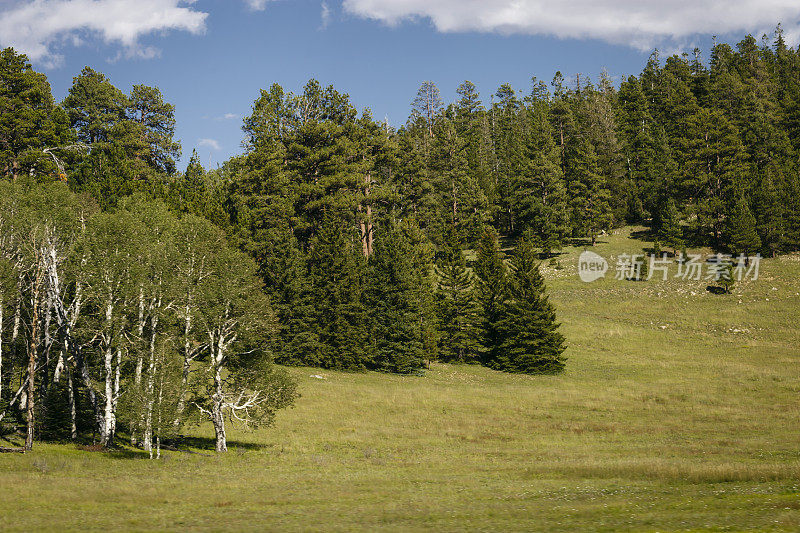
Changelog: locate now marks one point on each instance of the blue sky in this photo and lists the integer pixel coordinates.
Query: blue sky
(211, 57)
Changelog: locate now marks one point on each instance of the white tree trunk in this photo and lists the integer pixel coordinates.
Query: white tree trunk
(218, 400)
(106, 428)
(137, 376)
(32, 357)
(115, 402)
(150, 390)
(73, 413)
(15, 329)
(108, 412)
(59, 367)
(188, 356)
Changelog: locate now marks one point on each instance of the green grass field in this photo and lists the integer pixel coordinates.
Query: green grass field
(679, 410)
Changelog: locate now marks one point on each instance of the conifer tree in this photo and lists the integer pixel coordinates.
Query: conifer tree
(458, 311)
(598, 123)
(741, 235)
(791, 199)
(423, 254)
(714, 168)
(638, 144)
(426, 106)
(30, 122)
(540, 196)
(490, 271)
(769, 211)
(527, 327)
(130, 138)
(335, 274)
(190, 194)
(392, 295)
(470, 119)
(508, 139)
(155, 119)
(461, 204)
(588, 195)
(669, 229)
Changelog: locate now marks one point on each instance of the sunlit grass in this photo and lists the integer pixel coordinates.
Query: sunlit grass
(678, 410)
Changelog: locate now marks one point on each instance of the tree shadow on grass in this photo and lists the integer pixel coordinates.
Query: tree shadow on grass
(582, 242)
(127, 453)
(543, 256)
(647, 235)
(716, 290)
(209, 443)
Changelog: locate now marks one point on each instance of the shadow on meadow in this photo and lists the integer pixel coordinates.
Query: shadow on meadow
(184, 443)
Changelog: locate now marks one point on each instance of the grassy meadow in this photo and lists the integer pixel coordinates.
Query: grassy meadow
(679, 411)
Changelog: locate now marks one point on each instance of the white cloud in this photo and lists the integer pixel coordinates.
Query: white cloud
(39, 27)
(257, 5)
(220, 118)
(325, 15)
(210, 143)
(637, 23)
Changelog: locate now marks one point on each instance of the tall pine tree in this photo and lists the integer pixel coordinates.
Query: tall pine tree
(527, 328)
(458, 311)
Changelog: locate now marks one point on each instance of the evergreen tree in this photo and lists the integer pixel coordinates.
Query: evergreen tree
(741, 235)
(335, 274)
(540, 196)
(190, 191)
(638, 146)
(30, 122)
(426, 106)
(461, 204)
(130, 138)
(588, 195)
(97, 113)
(458, 311)
(508, 139)
(669, 229)
(470, 121)
(95, 106)
(714, 169)
(490, 271)
(155, 119)
(527, 328)
(598, 122)
(769, 211)
(394, 306)
(791, 199)
(726, 280)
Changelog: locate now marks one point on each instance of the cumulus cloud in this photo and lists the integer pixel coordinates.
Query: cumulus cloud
(637, 23)
(210, 143)
(39, 27)
(257, 5)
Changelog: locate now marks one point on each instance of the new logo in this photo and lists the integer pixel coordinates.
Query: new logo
(591, 266)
